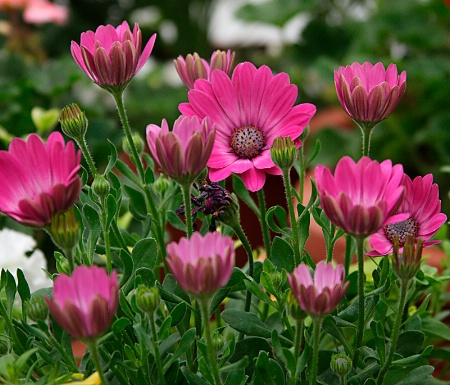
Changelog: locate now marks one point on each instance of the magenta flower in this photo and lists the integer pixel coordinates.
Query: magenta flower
(38, 180)
(201, 265)
(112, 56)
(194, 67)
(319, 295)
(85, 303)
(369, 93)
(424, 218)
(183, 152)
(250, 110)
(361, 197)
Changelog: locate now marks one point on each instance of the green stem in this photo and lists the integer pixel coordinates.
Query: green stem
(348, 253)
(68, 252)
(159, 366)
(361, 276)
(209, 343)
(395, 330)
(366, 131)
(301, 174)
(262, 219)
(11, 330)
(87, 155)
(299, 325)
(106, 236)
(294, 223)
(95, 356)
(315, 355)
(186, 189)
(330, 243)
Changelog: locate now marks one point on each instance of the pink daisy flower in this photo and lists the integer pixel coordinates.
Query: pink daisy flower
(422, 204)
(250, 110)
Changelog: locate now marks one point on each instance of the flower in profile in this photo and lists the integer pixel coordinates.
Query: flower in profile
(320, 295)
(183, 152)
(85, 303)
(367, 92)
(250, 110)
(193, 67)
(38, 179)
(361, 197)
(110, 56)
(422, 208)
(201, 265)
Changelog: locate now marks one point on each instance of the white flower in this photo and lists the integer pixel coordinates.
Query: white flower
(14, 247)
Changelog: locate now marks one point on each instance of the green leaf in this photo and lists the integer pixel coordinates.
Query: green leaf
(432, 327)
(178, 313)
(257, 290)
(111, 158)
(409, 343)
(282, 255)
(127, 173)
(278, 213)
(175, 221)
(242, 192)
(149, 177)
(145, 253)
(418, 376)
(136, 204)
(186, 342)
(269, 369)
(236, 377)
(247, 323)
(120, 324)
(191, 378)
(22, 288)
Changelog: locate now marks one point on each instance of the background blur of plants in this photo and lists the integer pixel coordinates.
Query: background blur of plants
(37, 70)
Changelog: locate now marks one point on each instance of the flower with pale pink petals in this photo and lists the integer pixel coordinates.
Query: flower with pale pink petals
(369, 93)
(424, 218)
(42, 11)
(201, 265)
(85, 303)
(183, 152)
(194, 67)
(320, 295)
(250, 110)
(38, 180)
(110, 56)
(361, 197)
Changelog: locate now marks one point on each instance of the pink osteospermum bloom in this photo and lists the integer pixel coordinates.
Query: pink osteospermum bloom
(361, 197)
(369, 93)
(193, 67)
(320, 295)
(42, 11)
(110, 56)
(250, 110)
(201, 265)
(38, 180)
(424, 218)
(183, 152)
(85, 303)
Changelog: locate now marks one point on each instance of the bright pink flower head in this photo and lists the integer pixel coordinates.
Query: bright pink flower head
(319, 295)
(38, 180)
(183, 152)
(85, 303)
(42, 11)
(424, 217)
(201, 265)
(250, 110)
(112, 56)
(194, 67)
(369, 93)
(361, 197)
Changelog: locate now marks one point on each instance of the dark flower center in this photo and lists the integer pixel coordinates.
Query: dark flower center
(247, 142)
(401, 229)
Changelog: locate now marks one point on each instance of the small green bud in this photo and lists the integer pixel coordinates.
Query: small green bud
(229, 212)
(138, 143)
(147, 299)
(294, 308)
(283, 152)
(62, 264)
(341, 364)
(73, 122)
(100, 186)
(218, 341)
(162, 184)
(37, 309)
(65, 229)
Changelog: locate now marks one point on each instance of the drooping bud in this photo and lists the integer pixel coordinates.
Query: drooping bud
(407, 264)
(137, 141)
(65, 229)
(283, 152)
(37, 309)
(147, 299)
(341, 364)
(73, 122)
(100, 186)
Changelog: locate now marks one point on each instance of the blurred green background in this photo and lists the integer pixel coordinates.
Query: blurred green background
(312, 39)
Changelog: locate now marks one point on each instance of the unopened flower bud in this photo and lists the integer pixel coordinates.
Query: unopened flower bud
(218, 341)
(407, 264)
(161, 184)
(229, 212)
(100, 186)
(341, 364)
(283, 152)
(147, 299)
(137, 141)
(65, 229)
(294, 309)
(62, 264)
(37, 309)
(73, 122)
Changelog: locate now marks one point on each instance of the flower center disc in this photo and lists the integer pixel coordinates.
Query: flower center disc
(247, 142)
(401, 229)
